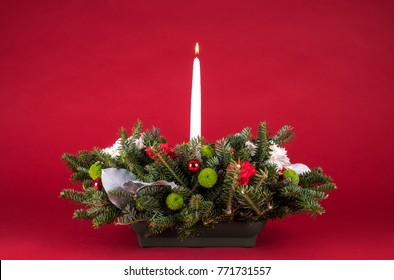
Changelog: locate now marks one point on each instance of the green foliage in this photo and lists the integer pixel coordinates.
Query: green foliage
(161, 223)
(130, 215)
(284, 135)
(97, 206)
(268, 195)
(263, 149)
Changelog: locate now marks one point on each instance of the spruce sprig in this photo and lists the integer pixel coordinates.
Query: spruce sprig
(263, 146)
(170, 164)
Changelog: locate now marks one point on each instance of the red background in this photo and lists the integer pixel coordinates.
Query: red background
(73, 72)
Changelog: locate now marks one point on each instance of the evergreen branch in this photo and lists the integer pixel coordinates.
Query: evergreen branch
(104, 158)
(70, 161)
(182, 191)
(81, 214)
(229, 210)
(153, 190)
(73, 195)
(284, 135)
(158, 224)
(149, 203)
(107, 216)
(231, 181)
(87, 183)
(131, 216)
(137, 129)
(195, 201)
(191, 149)
(122, 193)
(312, 206)
(246, 134)
(262, 176)
(326, 187)
(208, 214)
(164, 159)
(130, 156)
(262, 150)
(244, 193)
(152, 137)
(223, 152)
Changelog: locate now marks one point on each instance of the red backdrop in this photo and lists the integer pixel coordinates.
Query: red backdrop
(73, 72)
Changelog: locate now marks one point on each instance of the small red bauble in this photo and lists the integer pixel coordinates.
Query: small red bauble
(97, 184)
(193, 165)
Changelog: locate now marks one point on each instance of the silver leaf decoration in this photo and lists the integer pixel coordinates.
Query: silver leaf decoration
(133, 186)
(114, 179)
(299, 168)
(124, 180)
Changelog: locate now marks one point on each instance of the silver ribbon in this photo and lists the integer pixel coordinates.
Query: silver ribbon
(124, 180)
(299, 168)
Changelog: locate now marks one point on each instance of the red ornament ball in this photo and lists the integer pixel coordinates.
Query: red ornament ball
(193, 165)
(97, 184)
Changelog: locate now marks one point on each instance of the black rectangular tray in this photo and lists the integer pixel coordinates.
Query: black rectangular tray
(235, 234)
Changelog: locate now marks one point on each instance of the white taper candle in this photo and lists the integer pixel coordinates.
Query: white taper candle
(195, 112)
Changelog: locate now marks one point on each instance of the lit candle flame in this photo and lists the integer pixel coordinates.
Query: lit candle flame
(197, 50)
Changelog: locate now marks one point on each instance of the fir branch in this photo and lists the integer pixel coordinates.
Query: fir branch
(237, 141)
(131, 216)
(82, 214)
(229, 210)
(158, 224)
(132, 158)
(73, 195)
(312, 206)
(314, 193)
(214, 162)
(148, 203)
(80, 176)
(231, 182)
(262, 150)
(189, 150)
(107, 216)
(243, 192)
(87, 183)
(246, 134)
(223, 152)
(326, 187)
(71, 161)
(284, 135)
(208, 213)
(104, 157)
(153, 190)
(122, 193)
(196, 201)
(152, 137)
(168, 163)
(137, 129)
(261, 176)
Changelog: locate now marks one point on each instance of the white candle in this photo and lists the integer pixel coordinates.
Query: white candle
(195, 112)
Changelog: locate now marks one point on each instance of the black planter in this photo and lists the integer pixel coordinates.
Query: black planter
(236, 234)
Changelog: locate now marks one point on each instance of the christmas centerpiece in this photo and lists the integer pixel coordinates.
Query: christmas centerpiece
(195, 193)
(194, 186)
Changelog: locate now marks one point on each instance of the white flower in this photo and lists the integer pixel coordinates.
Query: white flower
(278, 156)
(252, 147)
(114, 150)
(139, 143)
